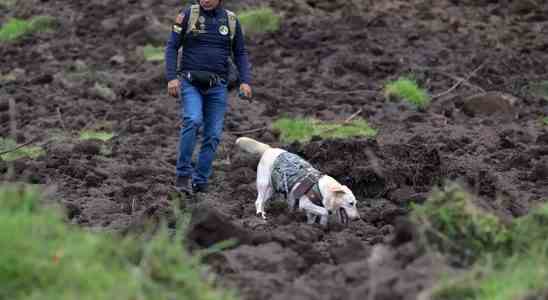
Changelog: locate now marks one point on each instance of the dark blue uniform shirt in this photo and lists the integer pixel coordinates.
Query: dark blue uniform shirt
(208, 50)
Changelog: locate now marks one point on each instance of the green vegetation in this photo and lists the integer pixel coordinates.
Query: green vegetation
(545, 121)
(16, 28)
(539, 89)
(454, 225)
(26, 151)
(7, 3)
(96, 135)
(259, 20)
(44, 258)
(303, 130)
(152, 53)
(407, 90)
(508, 259)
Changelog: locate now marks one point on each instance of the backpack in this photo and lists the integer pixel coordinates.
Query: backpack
(233, 74)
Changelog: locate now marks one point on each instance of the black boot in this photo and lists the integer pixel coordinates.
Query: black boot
(183, 184)
(200, 188)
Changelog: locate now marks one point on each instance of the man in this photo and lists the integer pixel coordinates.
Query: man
(206, 49)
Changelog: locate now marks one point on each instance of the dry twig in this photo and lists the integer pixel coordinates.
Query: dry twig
(456, 85)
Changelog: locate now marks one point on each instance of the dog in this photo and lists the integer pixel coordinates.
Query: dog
(305, 188)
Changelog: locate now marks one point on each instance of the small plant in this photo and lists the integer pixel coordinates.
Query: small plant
(152, 53)
(539, 89)
(26, 151)
(303, 130)
(545, 121)
(409, 91)
(96, 135)
(16, 28)
(259, 20)
(44, 258)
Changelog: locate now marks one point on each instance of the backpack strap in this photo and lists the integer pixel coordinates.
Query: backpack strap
(231, 24)
(193, 18)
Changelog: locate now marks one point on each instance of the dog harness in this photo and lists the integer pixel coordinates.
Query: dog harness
(291, 173)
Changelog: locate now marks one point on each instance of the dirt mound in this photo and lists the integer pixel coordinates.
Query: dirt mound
(330, 60)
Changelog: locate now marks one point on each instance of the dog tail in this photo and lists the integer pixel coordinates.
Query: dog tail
(252, 146)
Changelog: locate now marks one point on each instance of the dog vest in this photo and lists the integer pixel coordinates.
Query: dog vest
(292, 173)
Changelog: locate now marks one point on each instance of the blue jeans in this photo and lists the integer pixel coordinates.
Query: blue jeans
(199, 108)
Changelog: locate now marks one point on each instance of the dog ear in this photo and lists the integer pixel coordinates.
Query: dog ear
(338, 190)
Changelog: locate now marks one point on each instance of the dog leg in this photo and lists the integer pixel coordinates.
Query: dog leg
(311, 218)
(264, 189)
(311, 208)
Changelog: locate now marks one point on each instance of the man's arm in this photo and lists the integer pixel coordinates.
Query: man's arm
(174, 43)
(242, 61)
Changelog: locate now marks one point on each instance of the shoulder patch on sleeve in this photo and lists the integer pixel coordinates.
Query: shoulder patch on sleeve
(179, 18)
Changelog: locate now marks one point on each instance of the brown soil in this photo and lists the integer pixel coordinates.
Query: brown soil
(330, 59)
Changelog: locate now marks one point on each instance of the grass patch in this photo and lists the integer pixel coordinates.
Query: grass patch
(539, 89)
(545, 121)
(407, 90)
(14, 29)
(96, 135)
(152, 53)
(259, 20)
(44, 258)
(303, 130)
(26, 151)
(508, 260)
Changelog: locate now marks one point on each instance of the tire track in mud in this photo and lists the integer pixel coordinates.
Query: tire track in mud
(330, 59)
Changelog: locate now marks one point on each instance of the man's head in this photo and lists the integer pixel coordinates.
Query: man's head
(210, 4)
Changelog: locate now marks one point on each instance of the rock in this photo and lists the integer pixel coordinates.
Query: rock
(110, 24)
(524, 6)
(117, 60)
(490, 103)
(103, 92)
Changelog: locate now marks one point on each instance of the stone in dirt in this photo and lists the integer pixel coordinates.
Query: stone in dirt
(490, 103)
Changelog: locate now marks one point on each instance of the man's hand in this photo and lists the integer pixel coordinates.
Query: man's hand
(245, 90)
(173, 88)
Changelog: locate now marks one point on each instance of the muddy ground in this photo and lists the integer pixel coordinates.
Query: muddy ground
(330, 60)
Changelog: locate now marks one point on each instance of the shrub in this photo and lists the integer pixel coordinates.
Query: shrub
(455, 226)
(259, 20)
(16, 28)
(44, 258)
(407, 90)
(303, 130)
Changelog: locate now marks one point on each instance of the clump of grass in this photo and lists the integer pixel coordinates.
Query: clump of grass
(259, 20)
(96, 135)
(454, 225)
(26, 151)
(539, 89)
(303, 129)
(545, 121)
(152, 53)
(44, 258)
(408, 90)
(14, 29)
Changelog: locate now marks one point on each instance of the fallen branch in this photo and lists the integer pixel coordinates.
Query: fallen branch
(353, 116)
(456, 85)
(248, 131)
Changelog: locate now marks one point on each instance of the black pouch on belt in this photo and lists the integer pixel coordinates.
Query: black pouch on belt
(202, 79)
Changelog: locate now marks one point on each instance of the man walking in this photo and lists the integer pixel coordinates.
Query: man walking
(204, 32)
